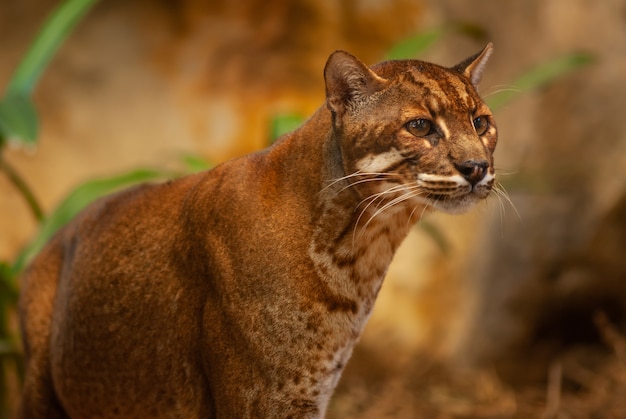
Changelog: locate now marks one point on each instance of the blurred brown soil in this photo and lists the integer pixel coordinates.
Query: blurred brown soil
(581, 382)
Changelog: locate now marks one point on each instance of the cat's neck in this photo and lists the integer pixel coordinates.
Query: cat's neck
(353, 238)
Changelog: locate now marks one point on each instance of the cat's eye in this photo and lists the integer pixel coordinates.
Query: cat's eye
(481, 125)
(419, 127)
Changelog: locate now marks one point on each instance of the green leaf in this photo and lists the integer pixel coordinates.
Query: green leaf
(55, 30)
(8, 287)
(416, 45)
(538, 77)
(18, 119)
(436, 234)
(284, 123)
(75, 202)
(5, 347)
(195, 163)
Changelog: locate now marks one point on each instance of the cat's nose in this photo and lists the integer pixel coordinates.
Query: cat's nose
(473, 170)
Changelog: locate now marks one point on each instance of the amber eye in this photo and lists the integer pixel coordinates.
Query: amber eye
(419, 127)
(481, 125)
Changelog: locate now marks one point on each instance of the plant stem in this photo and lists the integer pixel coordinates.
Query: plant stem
(22, 187)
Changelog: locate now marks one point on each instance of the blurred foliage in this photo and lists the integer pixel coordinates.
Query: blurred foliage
(19, 125)
(78, 199)
(538, 77)
(282, 124)
(417, 44)
(195, 163)
(18, 118)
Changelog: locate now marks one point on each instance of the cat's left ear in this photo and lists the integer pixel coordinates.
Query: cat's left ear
(473, 67)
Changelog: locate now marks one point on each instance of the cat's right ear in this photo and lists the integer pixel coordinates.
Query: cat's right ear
(348, 81)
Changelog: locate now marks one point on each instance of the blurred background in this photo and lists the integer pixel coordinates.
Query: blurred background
(517, 309)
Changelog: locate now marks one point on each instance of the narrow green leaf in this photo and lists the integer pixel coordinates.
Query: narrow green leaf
(8, 287)
(22, 187)
(75, 202)
(195, 163)
(284, 123)
(5, 347)
(414, 46)
(436, 234)
(18, 119)
(55, 30)
(538, 77)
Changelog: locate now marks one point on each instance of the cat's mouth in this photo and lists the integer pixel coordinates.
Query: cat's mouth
(453, 194)
(455, 205)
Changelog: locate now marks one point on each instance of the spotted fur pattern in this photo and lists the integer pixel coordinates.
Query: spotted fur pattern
(240, 292)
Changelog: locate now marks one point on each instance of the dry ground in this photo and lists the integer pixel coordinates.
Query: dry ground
(582, 382)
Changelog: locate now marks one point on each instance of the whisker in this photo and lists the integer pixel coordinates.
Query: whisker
(500, 207)
(501, 192)
(424, 206)
(501, 172)
(362, 181)
(358, 173)
(373, 199)
(502, 89)
(412, 191)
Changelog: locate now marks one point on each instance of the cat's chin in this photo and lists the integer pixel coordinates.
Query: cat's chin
(455, 206)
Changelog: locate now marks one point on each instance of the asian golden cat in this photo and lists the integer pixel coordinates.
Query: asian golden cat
(240, 292)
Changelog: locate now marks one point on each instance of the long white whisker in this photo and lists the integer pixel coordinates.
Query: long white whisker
(376, 179)
(356, 174)
(502, 172)
(501, 191)
(500, 207)
(378, 195)
(412, 191)
(408, 222)
(500, 89)
(374, 198)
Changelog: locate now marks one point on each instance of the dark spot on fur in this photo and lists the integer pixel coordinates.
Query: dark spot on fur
(342, 304)
(312, 326)
(344, 261)
(335, 302)
(305, 404)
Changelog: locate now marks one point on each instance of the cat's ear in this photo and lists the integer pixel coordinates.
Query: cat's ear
(348, 81)
(473, 67)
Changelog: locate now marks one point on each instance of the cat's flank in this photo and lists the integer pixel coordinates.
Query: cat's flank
(241, 291)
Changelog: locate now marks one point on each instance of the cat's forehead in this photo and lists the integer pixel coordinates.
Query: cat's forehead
(436, 87)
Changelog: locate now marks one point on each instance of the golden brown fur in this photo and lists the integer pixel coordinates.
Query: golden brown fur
(240, 292)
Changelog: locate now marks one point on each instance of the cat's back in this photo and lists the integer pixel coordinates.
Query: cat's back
(116, 264)
(101, 245)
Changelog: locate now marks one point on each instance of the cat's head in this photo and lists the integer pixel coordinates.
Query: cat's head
(411, 130)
